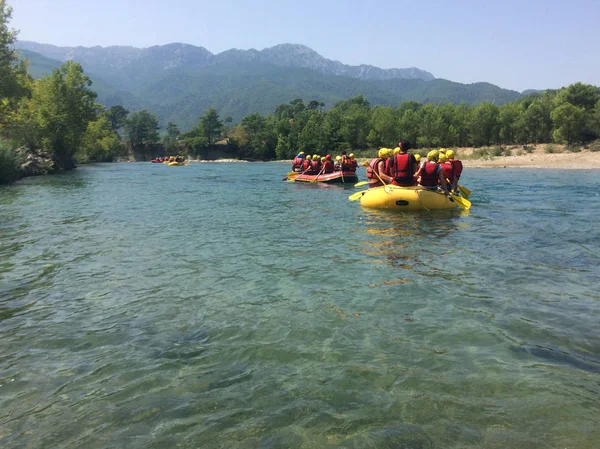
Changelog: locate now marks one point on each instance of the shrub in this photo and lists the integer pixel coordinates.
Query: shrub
(520, 152)
(595, 145)
(574, 149)
(527, 149)
(9, 163)
(550, 148)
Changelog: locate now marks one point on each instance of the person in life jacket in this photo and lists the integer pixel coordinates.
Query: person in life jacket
(457, 168)
(315, 166)
(306, 164)
(337, 165)
(403, 166)
(297, 162)
(351, 165)
(446, 169)
(376, 169)
(431, 173)
(328, 164)
(344, 161)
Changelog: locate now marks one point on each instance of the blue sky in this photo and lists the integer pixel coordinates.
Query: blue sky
(514, 44)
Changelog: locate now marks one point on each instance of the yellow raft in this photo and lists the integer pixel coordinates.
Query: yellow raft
(405, 198)
(176, 164)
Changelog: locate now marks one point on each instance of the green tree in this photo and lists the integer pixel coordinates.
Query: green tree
(56, 116)
(141, 129)
(169, 140)
(117, 116)
(100, 143)
(484, 124)
(569, 121)
(311, 139)
(211, 126)
(537, 122)
(15, 83)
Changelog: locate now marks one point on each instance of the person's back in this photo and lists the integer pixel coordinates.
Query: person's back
(352, 165)
(297, 162)
(328, 164)
(376, 170)
(457, 168)
(315, 166)
(306, 163)
(403, 166)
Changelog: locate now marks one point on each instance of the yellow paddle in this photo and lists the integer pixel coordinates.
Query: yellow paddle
(315, 180)
(464, 191)
(460, 201)
(360, 184)
(357, 195)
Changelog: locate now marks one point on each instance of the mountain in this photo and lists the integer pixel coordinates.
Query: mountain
(170, 56)
(178, 82)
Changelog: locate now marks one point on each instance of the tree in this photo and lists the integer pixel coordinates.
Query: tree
(117, 116)
(99, 143)
(211, 126)
(536, 120)
(311, 139)
(15, 83)
(484, 124)
(56, 116)
(569, 121)
(169, 141)
(142, 130)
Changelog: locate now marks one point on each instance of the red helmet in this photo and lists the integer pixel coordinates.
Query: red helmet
(328, 156)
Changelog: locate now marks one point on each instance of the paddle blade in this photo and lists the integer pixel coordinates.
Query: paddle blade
(357, 195)
(360, 184)
(364, 164)
(464, 191)
(462, 202)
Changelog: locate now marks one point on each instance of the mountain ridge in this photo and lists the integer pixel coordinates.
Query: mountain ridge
(287, 55)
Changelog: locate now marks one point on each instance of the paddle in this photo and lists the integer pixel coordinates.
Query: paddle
(315, 180)
(360, 184)
(462, 202)
(357, 195)
(464, 191)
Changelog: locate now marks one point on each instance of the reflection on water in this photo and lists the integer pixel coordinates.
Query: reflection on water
(216, 306)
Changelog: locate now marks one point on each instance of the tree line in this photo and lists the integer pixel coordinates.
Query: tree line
(568, 116)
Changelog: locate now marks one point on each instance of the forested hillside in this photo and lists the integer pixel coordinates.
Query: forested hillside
(179, 82)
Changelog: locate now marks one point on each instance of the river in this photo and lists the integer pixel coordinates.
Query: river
(215, 306)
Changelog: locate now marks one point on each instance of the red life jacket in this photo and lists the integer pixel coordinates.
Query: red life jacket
(328, 167)
(305, 165)
(403, 169)
(316, 166)
(352, 165)
(297, 162)
(458, 168)
(429, 175)
(447, 170)
(372, 172)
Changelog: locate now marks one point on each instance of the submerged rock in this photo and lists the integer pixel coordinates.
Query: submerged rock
(400, 437)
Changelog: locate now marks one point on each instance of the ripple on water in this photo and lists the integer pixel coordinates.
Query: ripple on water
(215, 306)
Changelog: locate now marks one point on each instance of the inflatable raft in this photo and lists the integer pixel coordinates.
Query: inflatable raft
(347, 177)
(176, 164)
(405, 198)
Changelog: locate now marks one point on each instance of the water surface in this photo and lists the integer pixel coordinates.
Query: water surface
(215, 306)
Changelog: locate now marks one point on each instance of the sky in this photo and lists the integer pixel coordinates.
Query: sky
(524, 44)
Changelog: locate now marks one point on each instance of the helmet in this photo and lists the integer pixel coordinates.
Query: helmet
(323, 159)
(315, 156)
(450, 154)
(432, 155)
(328, 156)
(308, 157)
(338, 158)
(396, 150)
(301, 153)
(351, 155)
(418, 157)
(382, 152)
(442, 158)
(442, 150)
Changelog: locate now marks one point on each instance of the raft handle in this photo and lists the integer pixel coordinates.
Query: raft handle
(401, 203)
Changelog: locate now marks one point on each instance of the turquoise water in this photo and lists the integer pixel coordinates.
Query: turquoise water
(215, 306)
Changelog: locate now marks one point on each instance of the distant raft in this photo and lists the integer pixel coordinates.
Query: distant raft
(337, 177)
(176, 164)
(392, 197)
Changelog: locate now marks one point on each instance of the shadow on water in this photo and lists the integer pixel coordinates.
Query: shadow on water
(560, 357)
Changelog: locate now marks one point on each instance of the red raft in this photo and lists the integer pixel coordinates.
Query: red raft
(337, 177)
